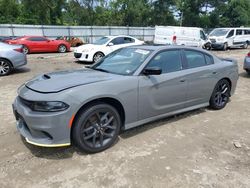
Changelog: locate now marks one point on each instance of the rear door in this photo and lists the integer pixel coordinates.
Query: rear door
(201, 76)
(161, 94)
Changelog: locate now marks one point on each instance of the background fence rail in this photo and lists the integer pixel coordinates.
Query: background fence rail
(87, 33)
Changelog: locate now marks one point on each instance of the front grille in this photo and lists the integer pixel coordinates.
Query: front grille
(213, 40)
(77, 55)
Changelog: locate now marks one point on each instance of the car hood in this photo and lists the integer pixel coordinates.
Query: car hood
(88, 47)
(59, 81)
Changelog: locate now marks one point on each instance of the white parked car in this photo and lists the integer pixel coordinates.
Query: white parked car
(224, 38)
(103, 46)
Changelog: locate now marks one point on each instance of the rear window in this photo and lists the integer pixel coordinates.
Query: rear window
(195, 59)
(209, 59)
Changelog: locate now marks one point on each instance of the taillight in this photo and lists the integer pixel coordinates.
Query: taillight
(248, 54)
(19, 50)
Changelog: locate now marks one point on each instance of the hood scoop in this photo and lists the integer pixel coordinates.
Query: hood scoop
(46, 77)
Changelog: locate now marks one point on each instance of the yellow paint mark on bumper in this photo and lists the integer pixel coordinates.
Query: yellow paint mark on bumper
(47, 145)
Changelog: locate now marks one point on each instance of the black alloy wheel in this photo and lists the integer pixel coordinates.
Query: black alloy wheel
(220, 95)
(96, 128)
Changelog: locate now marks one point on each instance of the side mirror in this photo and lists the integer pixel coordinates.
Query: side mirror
(152, 71)
(110, 44)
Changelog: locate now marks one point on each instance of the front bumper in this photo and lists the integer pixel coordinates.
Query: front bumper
(246, 65)
(47, 129)
(217, 45)
(83, 56)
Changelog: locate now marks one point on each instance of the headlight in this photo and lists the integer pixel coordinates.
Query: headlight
(220, 39)
(45, 106)
(50, 106)
(85, 50)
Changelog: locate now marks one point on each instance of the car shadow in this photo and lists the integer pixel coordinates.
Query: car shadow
(83, 62)
(244, 75)
(21, 70)
(142, 128)
(53, 153)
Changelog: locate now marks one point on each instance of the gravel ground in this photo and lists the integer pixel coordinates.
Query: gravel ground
(202, 148)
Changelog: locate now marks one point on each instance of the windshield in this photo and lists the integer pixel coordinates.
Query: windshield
(219, 32)
(124, 61)
(101, 41)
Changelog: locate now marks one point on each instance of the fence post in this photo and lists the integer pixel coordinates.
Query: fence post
(91, 34)
(143, 33)
(69, 31)
(42, 30)
(12, 30)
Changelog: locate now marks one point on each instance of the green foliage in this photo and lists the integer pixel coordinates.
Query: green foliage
(200, 13)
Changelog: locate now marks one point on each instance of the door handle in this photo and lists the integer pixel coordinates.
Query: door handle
(182, 80)
(214, 72)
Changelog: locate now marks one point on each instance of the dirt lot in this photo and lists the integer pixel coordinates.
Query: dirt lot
(202, 148)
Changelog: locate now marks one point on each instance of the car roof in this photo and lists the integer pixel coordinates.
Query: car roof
(162, 47)
(114, 36)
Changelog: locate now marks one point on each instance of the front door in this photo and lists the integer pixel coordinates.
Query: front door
(161, 94)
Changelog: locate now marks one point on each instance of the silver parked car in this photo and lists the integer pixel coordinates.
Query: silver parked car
(11, 57)
(127, 88)
(246, 65)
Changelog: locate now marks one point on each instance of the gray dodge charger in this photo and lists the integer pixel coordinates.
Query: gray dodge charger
(129, 87)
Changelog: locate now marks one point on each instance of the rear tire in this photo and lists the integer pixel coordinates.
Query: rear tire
(96, 128)
(25, 49)
(62, 48)
(220, 95)
(248, 72)
(5, 67)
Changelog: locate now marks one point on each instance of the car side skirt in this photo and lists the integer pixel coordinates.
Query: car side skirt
(144, 121)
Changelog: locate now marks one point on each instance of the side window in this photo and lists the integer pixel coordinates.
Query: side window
(128, 40)
(168, 61)
(209, 59)
(118, 40)
(37, 39)
(203, 36)
(247, 32)
(230, 34)
(239, 32)
(194, 58)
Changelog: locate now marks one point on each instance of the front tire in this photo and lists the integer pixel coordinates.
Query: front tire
(225, 47)
(220, 95)
(245, 46)
(5, 67)
(96, 128)
(62, 48)
(98, 56)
